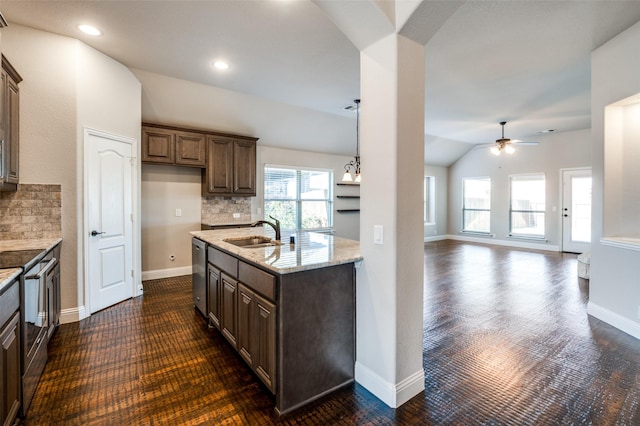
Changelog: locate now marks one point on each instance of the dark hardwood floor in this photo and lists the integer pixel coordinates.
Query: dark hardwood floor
(506, 341)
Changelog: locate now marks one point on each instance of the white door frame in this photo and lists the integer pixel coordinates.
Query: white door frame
(84, 236)
(561, 221)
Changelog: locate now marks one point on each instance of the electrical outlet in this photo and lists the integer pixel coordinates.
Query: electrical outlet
(236, 215)
(178, 212)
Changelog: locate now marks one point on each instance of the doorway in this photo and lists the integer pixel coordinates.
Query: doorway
(576, 210)
(108, 230)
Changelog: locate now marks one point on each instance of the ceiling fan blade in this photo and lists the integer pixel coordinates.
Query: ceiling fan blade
(518, 142)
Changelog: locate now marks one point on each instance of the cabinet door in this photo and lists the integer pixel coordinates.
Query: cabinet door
(214, 295)
(264, 353)
(12, 136)
(228, 317)
(244, 179)
(219, 172)
(158, 145)
(245, 323)
(53, 299)
(10, 370)
(190, 149)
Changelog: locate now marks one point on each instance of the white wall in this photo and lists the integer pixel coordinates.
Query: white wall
(439, 228)
(165, 189)
(614, 290)
(48, 149)
(67, 85)
(555, 152)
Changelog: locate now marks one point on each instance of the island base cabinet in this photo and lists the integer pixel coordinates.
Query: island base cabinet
(265, 345)
(316, 334)
(257, 334)
(228, 319)
(213, 281)
(10, 370)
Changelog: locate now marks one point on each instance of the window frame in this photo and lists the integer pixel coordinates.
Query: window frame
(298, 200)
(465, 209)
(429, 211)
(530, 211)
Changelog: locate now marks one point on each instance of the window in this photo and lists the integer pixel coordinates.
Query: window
(429, 200)
(527, 206)
(476, 205)
(299, 199)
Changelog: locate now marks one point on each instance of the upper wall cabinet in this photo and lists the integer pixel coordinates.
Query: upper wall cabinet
(9, 127)
(231, 166)
(170, 145)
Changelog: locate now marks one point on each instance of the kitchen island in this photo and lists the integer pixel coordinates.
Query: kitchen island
(288, 309)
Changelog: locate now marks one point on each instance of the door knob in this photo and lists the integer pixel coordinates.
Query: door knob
(94, 233)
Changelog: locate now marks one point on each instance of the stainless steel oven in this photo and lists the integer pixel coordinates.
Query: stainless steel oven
(35, 324)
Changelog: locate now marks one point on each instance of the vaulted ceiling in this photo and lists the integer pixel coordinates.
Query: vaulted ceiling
(525, 62)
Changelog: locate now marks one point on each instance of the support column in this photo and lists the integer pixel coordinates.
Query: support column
(390, 279)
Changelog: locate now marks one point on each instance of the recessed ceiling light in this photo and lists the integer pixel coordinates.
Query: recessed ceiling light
(88, 29)
(220, 65)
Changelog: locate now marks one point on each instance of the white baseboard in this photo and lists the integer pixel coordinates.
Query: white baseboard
(436, 238)
(394, 395)
(166, 273)
(73, 315)
(618, 321)
(507, 243)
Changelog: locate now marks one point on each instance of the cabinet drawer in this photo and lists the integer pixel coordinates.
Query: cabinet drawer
(9, 302)
(257, 280)
(222, 260)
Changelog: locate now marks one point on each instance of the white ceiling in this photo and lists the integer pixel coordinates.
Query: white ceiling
(525, 62)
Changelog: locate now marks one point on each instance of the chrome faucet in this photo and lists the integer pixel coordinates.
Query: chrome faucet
(275, 226)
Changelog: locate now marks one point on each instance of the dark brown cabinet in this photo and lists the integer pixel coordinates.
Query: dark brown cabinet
(213, 281)
(257, 334)
(53, 300)
(10, 401)
(166, 145)
(228, 318)
(264, 347)
(231, 166)
(9, 127)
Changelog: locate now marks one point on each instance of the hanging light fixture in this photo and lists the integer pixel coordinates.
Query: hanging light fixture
(352, 168)
(503, 144)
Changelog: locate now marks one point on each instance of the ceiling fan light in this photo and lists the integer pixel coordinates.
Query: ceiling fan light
(495, 150)
(510, 149)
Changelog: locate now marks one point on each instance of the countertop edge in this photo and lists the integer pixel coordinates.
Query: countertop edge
(7, 276)
(35, 244)
(214, 239)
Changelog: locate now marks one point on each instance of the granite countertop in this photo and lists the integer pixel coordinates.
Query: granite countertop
(312, 250)
(7, 275)
(42, 244)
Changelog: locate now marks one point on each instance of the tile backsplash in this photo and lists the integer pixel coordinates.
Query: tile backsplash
(33, 211)
(219, 211)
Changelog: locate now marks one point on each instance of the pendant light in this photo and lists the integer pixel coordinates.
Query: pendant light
(352, 168)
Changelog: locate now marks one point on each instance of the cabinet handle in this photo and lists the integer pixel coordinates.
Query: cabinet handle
(42, 271)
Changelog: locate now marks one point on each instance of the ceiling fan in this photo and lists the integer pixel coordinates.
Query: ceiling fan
(505, 144)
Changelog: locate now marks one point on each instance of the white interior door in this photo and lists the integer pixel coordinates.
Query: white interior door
(576, 210)
(108, 230)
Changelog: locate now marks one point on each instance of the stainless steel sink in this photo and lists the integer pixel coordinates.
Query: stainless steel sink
(254, 241)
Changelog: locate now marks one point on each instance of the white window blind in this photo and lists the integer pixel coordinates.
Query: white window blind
(299, 198)
(527, 209)
(476, 205)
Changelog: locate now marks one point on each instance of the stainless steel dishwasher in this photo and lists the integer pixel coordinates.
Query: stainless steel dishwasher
(199, 274)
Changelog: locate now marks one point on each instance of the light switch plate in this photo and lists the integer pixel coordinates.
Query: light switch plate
(378, 234)
(178, 212)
